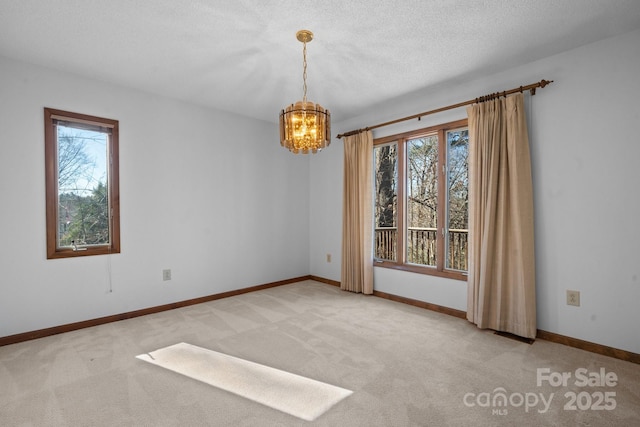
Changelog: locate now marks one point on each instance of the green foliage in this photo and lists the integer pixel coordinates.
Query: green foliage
(84, 219)
(83, 205)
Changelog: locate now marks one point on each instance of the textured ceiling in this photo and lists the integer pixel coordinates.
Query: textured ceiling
(242, 55)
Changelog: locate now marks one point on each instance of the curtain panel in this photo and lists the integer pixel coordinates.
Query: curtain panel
(357, 214)
(501, 282)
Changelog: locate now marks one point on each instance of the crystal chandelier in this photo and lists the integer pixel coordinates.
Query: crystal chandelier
(304, 126)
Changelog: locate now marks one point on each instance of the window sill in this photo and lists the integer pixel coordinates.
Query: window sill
(428, 271)
(84, 251)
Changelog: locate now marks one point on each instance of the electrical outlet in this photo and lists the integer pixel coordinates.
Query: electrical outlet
(573, 298)
(166, 275)
(328, 257)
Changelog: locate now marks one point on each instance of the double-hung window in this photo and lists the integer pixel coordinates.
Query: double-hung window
(82, 198)
(421, 199)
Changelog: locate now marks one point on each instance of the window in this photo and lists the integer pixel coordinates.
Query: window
(81, 168)
(421, 200)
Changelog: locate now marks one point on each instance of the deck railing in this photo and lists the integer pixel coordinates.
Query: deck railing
(421, 246)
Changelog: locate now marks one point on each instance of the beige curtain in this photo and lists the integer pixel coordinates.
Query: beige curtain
(501, 292)
(357, 256)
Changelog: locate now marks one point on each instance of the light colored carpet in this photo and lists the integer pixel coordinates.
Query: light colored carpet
(290, 393)
(406, 366)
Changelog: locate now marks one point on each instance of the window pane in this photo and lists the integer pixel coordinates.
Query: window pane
(386, 201)
(83, 202)
(422, 206)
(458, 199)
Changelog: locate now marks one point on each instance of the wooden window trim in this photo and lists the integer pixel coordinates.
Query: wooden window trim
(51, 185)
(400, 264)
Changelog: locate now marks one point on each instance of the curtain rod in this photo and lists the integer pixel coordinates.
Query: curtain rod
(532, 87)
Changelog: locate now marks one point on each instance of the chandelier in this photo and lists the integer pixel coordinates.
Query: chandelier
(304, 126)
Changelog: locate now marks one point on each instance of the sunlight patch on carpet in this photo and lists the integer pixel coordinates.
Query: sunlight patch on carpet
(290, 393)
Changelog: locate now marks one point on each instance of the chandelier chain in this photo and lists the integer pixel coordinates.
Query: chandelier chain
(304, 72)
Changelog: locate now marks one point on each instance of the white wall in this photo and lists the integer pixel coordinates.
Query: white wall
(204, 193)
(210, 195)
(585, 149)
